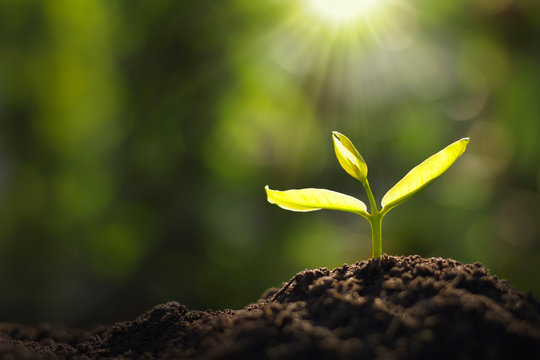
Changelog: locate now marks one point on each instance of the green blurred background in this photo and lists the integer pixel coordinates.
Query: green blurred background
(136, 138)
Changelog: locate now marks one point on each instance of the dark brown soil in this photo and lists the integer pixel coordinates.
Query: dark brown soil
(392, 308)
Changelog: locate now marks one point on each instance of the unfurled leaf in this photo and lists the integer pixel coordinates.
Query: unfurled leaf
(349, 158)
(315, 199)
(423, 174)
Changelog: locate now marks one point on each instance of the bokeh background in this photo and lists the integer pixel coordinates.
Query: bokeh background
(136, 138)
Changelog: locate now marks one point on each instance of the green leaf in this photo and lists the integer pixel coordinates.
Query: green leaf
(423, 174)
(315, 199)
(349, 158)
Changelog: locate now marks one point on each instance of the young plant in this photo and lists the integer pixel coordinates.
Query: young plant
(352, 162)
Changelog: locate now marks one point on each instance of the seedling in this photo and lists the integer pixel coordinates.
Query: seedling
(352, 162)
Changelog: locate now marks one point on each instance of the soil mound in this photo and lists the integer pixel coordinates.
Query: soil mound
(390, 308)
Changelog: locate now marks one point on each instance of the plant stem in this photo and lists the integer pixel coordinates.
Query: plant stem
(372, 203)
(375, 221)
(376, 236)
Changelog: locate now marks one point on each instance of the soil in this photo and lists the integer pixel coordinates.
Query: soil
(391, 308)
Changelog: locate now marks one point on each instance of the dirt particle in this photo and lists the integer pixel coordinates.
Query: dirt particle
(393, 284)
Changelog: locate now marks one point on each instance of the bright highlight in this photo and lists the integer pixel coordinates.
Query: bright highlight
(340, 10)
(349, 49)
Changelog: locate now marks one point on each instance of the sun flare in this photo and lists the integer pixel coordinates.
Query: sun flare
(348, 49)
(340, 10)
